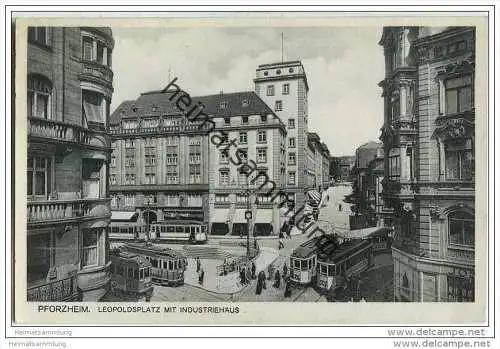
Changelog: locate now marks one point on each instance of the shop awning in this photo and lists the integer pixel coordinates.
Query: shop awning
(220, 215)
(264, 216)
(122, 215)
(239, 216)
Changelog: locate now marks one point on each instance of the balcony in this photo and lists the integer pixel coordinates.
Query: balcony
(54, 291)
(60, 132)
(97, 72)
(188, 127)
(57, 211)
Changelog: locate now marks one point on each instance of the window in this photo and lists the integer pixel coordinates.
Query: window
(113, 161)
(150, 198)
(458, 94)
(395, 108)
(150, 178)
(39, 35)
(93, 111)
(172, 200)
(112, 179)
(223, 105)
(270, 90)
(263, 118)
(194, 150)
(89, 247)
(291, 159)
(171, 159)
(114, 202)
(129, 199)
(243, 154)
(88, 48)
(278, 72)
(129, 179)
(39, 256)
(291, 142)
(244, 103)
(39, 176)
(224, 177)
(194, 200)
(195, 173)
(129, 159)
(291, 123)
(39, 97)
(286, 89)
(150, 123)
(244, 120)
(221, 198)
(223, 158)
(262, 155)
(394, 165)
(129, 125)
(459, 160)
(291, 177)
(243, 138)
(290, 70)
(461, 285)
(149, 160)
(172, 175)
(241, 198)
(242, 179)
(129, 143)
(261, 137)
(278, 106)
(461, 228)
(227, 121)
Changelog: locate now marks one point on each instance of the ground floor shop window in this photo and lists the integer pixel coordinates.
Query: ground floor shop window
(263, 229)
(240, 229)
(219, 229)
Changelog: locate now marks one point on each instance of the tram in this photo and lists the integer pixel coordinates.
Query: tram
(130, 276)
(348, 259)
(193, 232)
(303, 262)
(167, 265)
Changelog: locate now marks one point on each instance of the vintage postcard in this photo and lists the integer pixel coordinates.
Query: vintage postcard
(258, 168)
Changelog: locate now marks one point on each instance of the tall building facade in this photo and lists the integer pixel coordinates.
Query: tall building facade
(159, 162)
(318, 162)
(283, 86)
(428, 137)
(69, 86)
(252, 167)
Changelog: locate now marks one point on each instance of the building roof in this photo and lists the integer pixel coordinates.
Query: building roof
(156, 103)
(371, 144)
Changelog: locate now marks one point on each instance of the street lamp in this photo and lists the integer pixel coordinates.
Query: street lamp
(147, 220)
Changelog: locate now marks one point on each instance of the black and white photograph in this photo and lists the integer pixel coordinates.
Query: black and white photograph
(259, 164)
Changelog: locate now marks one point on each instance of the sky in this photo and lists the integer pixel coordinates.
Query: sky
(343, 67)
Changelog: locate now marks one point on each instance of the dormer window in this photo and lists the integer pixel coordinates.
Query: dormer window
(244, 120)
(263, 118)
(290, 70)
(245, 103)
(266, 73)
(134, 109)
(227, 121)
(278, 72)
(223, 105)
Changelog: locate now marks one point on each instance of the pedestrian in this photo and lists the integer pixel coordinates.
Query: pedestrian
(198, 264)
(288, 290)
(277, 279)
(285, 270)
(253, 270)
(258, 289)
(202, 275)
(262, 278)
(340, 207)
(280, 242)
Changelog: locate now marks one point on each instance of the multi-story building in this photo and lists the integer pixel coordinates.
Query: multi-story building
(258, 139)
(283, 86)
(159, 162)
(69, 90)
(375, 178)
(318, 162)
(365, 154)
(428, 137)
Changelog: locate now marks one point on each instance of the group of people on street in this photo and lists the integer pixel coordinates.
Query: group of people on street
(272, 271)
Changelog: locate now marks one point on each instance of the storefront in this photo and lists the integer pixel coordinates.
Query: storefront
(220, 222)
(240, 224)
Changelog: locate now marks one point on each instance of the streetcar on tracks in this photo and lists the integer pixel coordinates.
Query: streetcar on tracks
(130, 276)
(167, 265)
(184, 231)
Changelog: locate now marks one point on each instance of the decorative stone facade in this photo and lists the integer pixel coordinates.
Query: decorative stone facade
(428, 137)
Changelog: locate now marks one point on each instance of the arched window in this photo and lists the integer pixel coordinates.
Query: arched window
(461, 228)
(39, 97)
